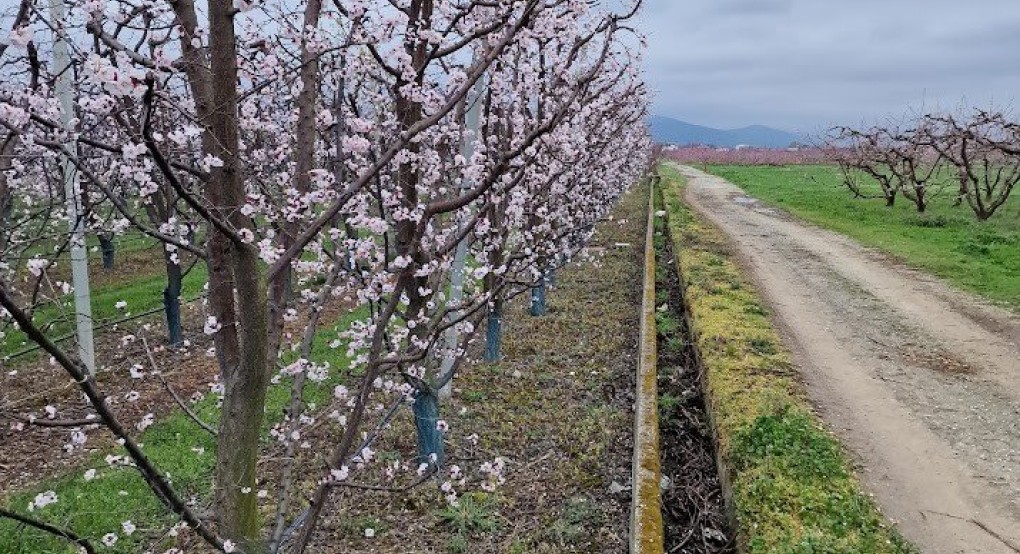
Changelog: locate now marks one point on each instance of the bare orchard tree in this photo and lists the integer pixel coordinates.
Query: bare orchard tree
(865, 154)
(980, 150)
(915, 162)
(984, 150)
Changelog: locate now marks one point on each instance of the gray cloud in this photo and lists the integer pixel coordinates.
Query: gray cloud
(806, 64)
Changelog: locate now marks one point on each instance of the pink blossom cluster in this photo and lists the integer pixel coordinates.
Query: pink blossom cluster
(708, 155)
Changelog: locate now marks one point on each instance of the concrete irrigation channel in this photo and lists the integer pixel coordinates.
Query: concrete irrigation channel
(678, 502)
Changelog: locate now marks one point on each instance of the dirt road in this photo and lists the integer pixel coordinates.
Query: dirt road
(920, 381)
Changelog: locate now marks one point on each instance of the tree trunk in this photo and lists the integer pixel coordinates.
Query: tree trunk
(109, 249)
(6, 198)
(6, 206)
(246, 382)
(243, 410)
(304, 158)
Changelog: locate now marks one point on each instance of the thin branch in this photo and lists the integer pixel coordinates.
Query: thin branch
(156, 481)
(51, 529)
(180, 402)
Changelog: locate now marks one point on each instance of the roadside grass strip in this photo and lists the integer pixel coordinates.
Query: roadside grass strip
(792, 487)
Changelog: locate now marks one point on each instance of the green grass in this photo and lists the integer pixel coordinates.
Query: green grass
(792, 487)
(141, 294)
(948, 241)
(130, 241)
(93, 509)
(141, 286)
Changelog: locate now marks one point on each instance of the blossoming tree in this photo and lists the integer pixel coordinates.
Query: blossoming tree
(417, 161)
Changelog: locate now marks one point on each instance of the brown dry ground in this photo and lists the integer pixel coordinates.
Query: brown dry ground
(29, 384)
(558, 407)
(920, 381)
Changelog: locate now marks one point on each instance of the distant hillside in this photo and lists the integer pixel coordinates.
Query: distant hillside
(672, 131)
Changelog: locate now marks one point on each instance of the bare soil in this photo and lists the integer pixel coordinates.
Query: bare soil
(558, 407)
(920, 381)
(32, 452)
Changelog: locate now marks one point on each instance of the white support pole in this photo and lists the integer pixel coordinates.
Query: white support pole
(72, 193)
(467, 149)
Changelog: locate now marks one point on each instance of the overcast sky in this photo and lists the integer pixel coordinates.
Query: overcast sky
(805, 64)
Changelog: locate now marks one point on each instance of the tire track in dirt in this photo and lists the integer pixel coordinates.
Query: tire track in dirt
(920, 381)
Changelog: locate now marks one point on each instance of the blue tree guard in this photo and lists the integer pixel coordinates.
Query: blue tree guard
(493, 334)
(538, 298)
(109, 250)
(426, 422)
(172, 304)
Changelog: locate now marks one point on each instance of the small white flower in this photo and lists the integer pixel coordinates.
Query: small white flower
(211, 161)
(78, 438)
(109, 539)
(212, 325)
(146, 422)
(90, 474)
(229, 546)
(36, 266)
(120, 305)
(131, 151)
(369, 532)
(129, 527)
(340, 474)
(42, 500)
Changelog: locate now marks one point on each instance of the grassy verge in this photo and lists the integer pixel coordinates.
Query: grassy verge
(177, 446)
(142, 293)
(947, 241)
(792, 486)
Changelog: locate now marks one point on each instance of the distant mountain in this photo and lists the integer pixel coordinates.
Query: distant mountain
(673, 131)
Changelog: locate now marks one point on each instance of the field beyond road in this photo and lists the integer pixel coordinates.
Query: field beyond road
(948, 241)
